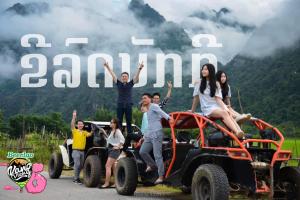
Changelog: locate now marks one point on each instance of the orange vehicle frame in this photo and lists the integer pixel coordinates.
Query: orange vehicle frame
(201, 123)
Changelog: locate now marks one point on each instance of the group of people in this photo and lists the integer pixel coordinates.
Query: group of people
(212, 91)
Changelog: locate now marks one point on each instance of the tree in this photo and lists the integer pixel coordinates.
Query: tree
(103, 114)
(2, 123)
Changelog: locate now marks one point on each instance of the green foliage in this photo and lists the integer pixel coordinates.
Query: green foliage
(103, 114)
(269, 87)
(35, 142)
(137, 116)
(2, 123)
(51, 123)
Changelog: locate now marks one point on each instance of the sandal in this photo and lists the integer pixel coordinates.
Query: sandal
(105, 186)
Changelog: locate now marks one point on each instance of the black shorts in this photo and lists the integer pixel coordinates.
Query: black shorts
(113, 153)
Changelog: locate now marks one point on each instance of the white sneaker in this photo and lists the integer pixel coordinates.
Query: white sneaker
(249, 115)
(242, 118)
(158, 181)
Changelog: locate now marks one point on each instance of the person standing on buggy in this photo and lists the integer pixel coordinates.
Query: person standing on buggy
(124, 104)
(161, 104)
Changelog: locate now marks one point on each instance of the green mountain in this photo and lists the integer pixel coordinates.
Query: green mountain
(268, 89)
(268, 86)
(85, 100)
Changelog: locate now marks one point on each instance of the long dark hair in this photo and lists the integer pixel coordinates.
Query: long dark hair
(211, 79)
(224, 86)
(116, 121)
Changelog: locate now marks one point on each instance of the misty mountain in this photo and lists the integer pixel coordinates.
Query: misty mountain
(269, 86)
(145, 13)
(223, 19)
(85, 100)
(167, 35)
(29, 8)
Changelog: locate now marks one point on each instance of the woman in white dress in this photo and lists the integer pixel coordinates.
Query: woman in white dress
(208, 91)
(115, 142)
(222, 78)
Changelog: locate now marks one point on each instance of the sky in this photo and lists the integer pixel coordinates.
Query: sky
(109, 27)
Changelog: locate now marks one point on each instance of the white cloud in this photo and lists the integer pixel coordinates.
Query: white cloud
(109, 26)
(282, 14)
(250, 11)
(279, 32)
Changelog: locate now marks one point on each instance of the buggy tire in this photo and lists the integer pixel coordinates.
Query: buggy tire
(55, 165)
(210, 182)
(92, 171)
(289, 179)
(126, 176)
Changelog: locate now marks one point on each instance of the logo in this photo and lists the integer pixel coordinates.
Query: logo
(19, 170)
(25, 174)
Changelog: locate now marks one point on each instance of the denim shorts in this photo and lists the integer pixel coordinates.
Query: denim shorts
(113, 153)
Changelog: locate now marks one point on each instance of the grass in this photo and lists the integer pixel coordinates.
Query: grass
(293, 144)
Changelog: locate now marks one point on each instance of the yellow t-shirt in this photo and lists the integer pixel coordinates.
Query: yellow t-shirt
(79, 139)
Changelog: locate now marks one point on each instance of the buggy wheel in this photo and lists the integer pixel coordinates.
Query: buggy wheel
(289, 182)
(210, 183)
(55, 165)
(92, 171)
(126, 176)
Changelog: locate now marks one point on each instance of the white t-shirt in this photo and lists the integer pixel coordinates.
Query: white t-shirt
(207, 103)
(229, 92)
(117, 139)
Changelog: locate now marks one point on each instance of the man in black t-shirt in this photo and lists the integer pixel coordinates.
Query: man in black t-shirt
(124, 105)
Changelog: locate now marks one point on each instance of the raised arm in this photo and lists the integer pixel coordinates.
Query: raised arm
(137, 75)
(73, 120)
(169, 89)
(111, 72)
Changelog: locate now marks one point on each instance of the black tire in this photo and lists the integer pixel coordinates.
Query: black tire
(92, 171)
(55, 165)
(289, 180)
(210, 183)
(126, 176)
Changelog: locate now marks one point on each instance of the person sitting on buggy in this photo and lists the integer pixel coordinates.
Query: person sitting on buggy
(208, 92)
(226, 96)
